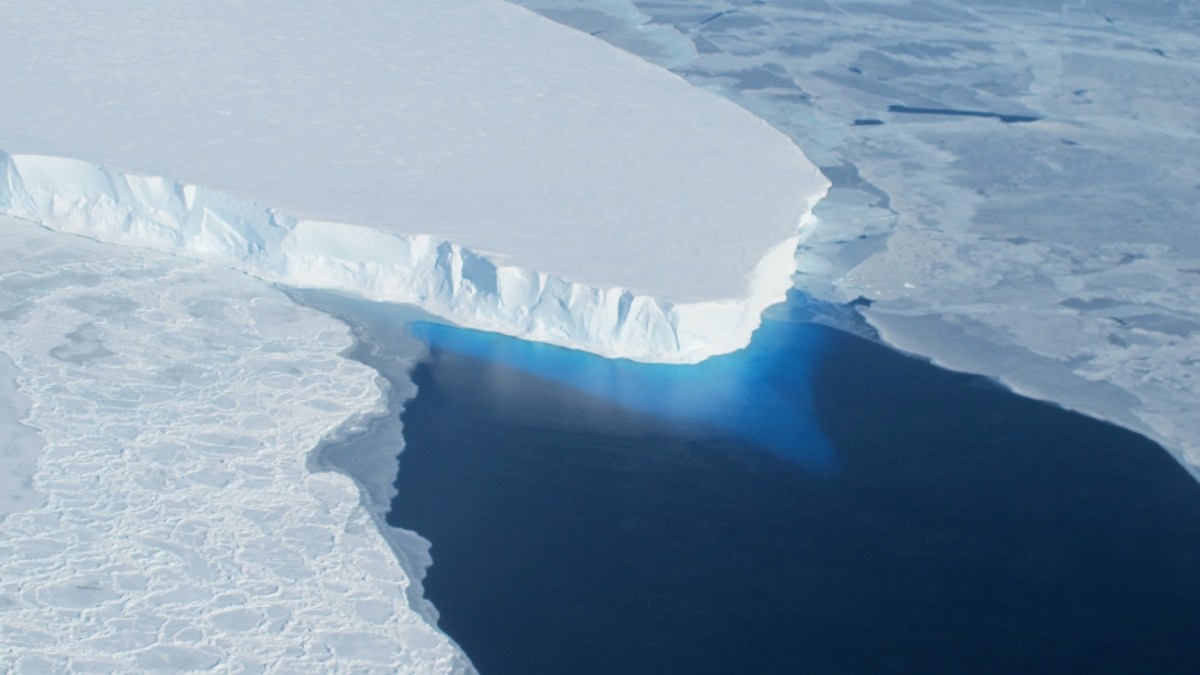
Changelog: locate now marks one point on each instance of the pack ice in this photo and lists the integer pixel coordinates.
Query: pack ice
(495, 168)
(173, 523)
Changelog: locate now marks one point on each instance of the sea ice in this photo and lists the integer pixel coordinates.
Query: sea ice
(19, 444)
(182, 528)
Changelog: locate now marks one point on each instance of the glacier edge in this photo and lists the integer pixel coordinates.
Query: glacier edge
(468, 288)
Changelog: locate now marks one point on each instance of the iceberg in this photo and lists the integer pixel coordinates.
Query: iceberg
(495, 168)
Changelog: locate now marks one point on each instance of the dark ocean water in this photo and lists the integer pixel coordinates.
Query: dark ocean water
(814, 504)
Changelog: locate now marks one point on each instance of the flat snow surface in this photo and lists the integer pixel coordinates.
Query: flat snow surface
(1060, 255)
(474, 121)
(181, 527)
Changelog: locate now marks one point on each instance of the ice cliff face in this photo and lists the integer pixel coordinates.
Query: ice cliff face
(442, 277)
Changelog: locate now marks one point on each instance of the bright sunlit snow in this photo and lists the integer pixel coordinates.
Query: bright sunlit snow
(599, 202)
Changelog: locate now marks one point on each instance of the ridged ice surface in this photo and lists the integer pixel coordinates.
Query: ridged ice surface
(536, 149)
(177, 405)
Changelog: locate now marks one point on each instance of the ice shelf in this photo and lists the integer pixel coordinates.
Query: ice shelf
(496, 168)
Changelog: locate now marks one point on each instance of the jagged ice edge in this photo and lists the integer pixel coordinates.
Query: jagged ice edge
(444, 278)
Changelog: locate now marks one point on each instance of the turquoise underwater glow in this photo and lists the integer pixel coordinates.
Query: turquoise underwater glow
(761, 395)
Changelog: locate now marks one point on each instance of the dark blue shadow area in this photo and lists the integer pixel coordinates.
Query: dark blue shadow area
(1007, 119)
(761, 395)
(965, 530)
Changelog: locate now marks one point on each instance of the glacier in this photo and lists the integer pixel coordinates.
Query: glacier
(568, 192)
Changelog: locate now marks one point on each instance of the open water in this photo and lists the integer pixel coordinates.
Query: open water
(814, 504)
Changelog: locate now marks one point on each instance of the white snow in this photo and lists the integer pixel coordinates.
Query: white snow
(182, 528)
(495, 167)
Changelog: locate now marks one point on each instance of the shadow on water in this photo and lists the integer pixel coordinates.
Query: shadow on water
(1007, 119)
(964, 529)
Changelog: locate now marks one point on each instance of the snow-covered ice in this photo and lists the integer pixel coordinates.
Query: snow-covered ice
(182, 528)
(1061, 255)
(472, 157)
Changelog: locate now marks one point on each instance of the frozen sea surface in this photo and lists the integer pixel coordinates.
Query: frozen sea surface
(178, 524)
(1061, 254)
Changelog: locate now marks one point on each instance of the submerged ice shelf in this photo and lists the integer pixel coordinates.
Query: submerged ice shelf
(568, 192)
